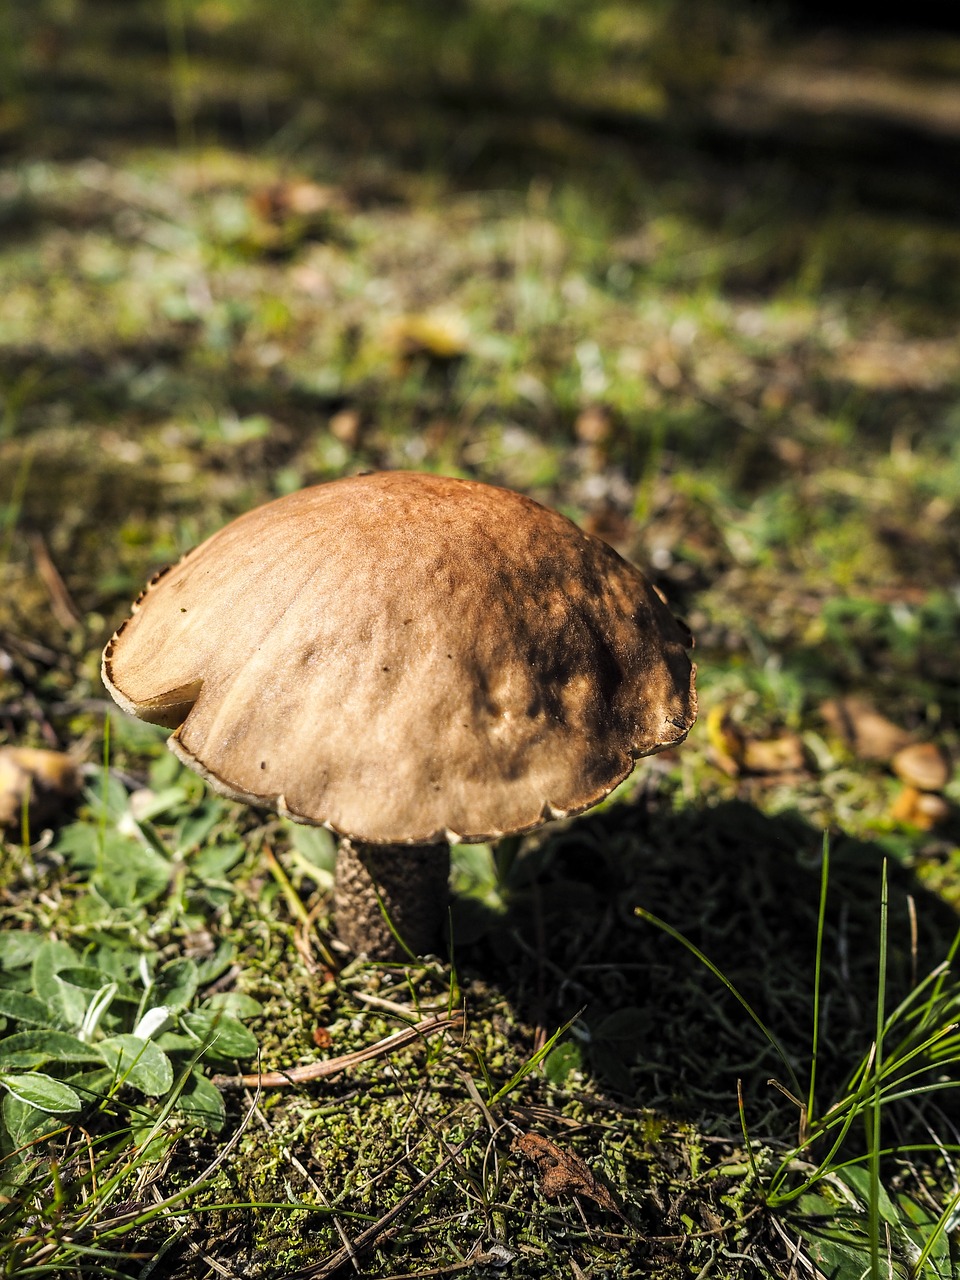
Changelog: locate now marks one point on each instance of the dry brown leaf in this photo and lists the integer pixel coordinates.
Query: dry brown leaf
(561, 1173)
(870, 735)
(922, 809)
(297, 198)
(922, 765)
(45, 780)
(735, 752)
(774, 755)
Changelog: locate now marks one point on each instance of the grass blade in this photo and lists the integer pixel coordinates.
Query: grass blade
(768, 1035)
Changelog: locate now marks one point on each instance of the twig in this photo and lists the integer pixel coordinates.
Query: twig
(61, 602)
(333, 1066)
(477, 1260)
(379, 1002)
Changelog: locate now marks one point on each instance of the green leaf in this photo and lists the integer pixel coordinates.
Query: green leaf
(24, 1008)
(124, 870)
(918, 1225)
(138, 1063)
(857, 1177)
(107, 796)
(43, 1092)
(315, 844)
(47, 963)
(176, 1042)
(78, 843)
(564, 1059)
(176, 985)
(136, 735)
(17, 948)
(92, 1084)
(474, 870)
(153, 804)
(210, 969)
(165, 770)
(235, 1003)
(29, 1049)
(194, 829)
(202, 1102)
(216, 860)
(224, 1037)
(626, 1028)
(24, 1122)
(133, 874)
(85, 977)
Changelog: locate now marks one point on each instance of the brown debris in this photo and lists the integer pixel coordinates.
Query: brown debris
(735, 752)
(347, 426)
(61, 602)
(593, 425)
(561, 1173)
(43, 780)
(870, 735)
(334, 1066)
(922, 809)
(922, 765)
(437, 336)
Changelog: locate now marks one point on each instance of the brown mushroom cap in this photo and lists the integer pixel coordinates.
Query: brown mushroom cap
(405, 658)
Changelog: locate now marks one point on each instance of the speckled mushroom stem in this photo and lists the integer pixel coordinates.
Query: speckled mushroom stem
(413, 884)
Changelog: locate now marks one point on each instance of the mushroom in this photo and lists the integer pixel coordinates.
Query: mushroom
(410, 661)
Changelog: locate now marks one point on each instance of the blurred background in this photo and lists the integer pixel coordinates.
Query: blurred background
(687, 270)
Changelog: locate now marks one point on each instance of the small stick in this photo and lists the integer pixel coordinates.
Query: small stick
(61, 602)
(333, 1066)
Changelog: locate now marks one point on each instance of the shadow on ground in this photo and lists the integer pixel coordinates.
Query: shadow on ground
(658, 1028)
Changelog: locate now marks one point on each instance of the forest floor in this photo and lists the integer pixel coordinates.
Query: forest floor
(724, 338)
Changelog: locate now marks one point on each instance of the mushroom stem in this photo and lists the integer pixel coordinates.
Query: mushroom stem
(412, 883)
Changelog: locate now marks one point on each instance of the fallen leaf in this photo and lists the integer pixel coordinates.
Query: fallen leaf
(725, 741)
(297, 198)
(922, 765)
(46, 780)
(870, 735)
(441, 336)
(774, 755)
(921, 809)
(289, 212)
(562, 1173)
(735, 752)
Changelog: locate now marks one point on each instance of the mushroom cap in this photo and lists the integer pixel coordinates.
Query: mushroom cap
(406, 658)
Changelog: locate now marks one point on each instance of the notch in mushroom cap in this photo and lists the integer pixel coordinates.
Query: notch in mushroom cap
(407, 659)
